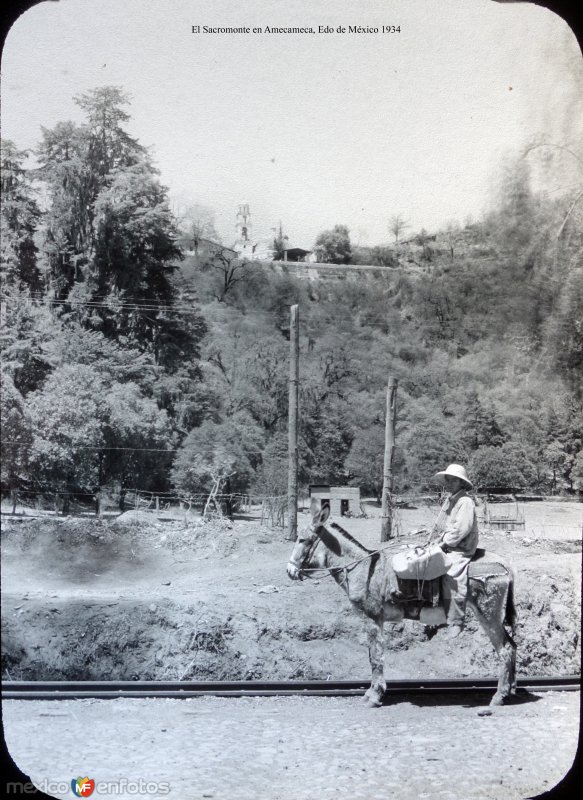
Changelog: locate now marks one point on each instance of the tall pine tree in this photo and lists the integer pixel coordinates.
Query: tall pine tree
(19, 219)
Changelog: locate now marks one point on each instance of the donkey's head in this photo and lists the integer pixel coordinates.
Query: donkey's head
(309, 552)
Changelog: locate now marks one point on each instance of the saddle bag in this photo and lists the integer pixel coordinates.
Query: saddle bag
(420, 600)
(422, 563)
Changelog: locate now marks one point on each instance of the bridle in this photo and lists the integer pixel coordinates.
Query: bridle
(310, 552)
(372, 555)
(329, 571)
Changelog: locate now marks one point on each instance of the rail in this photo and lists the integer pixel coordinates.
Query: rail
(109, 690)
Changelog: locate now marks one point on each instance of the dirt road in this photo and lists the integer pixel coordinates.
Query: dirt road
(299, 748)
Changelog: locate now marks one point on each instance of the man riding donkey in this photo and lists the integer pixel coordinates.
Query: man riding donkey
(459, 539)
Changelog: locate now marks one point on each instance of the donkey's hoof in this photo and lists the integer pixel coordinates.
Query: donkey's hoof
(373, 697)
(372, 702)
(498, 700)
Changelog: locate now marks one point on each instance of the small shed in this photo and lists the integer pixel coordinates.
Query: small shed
(342, 500)
(296, 254)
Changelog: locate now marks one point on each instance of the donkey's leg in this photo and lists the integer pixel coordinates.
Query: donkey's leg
(507, 651)
(512, 668)
(505, 647)
(509, 620)
(376, 654)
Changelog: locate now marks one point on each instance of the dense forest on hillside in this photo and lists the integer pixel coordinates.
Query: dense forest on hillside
(129, 363)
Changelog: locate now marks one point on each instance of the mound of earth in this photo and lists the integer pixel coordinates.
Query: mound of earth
(158, 599)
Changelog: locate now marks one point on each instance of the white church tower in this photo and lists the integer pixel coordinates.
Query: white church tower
(246, 245)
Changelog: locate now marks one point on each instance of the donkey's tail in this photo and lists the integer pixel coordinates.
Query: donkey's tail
(511, 615)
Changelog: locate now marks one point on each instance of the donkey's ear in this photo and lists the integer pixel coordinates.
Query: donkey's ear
(322, 516)
(319, 515)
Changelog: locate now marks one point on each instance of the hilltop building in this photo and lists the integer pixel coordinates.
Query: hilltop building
(298, 254)
(246, 245)
(262, 248)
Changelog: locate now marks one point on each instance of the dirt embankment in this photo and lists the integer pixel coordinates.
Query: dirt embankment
(137, 599)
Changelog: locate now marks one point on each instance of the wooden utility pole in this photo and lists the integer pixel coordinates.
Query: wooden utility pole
(391, 415)
(294, 379)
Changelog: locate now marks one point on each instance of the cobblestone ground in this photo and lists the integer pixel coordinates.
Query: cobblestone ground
(297, 748)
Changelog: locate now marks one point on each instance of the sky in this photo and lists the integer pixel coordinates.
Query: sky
(310, 129)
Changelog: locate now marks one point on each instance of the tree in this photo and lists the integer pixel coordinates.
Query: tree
(111, 239)
(219, 454)
(365, 461)
(507, 466)
(383, 257)
(565, 331)
(78, 345)
(81, 422)
(30, 336)
(109, 146)
(280, 243)
(16, 436)
(195, 221)
(514, 223)
(247, 367)
(397, 226)
(135, 254)
(452, 236)
(562, 439)
(479, 424)
(134, 236)
(272, 474)
(277, 293)
(333, 247)
(428, 443)
(19, 219)
(71, 191)
(555, 457)
(229, 270)
(578, 470)
(423, 239)
(77, 162)
(325, 437)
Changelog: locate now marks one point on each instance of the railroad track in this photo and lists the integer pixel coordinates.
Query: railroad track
(110, 690)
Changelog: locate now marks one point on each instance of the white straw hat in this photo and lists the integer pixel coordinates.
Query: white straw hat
(456, 471)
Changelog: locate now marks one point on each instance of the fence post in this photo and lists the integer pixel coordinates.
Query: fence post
(387, 500)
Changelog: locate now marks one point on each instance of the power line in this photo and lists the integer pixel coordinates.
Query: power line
(199, 451)
(175, 308)
(115, 308)
(95, 447)
(150, 306)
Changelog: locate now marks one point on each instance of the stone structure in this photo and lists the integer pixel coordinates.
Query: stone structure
(341, 499)
(298, 254)
(246, 245)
